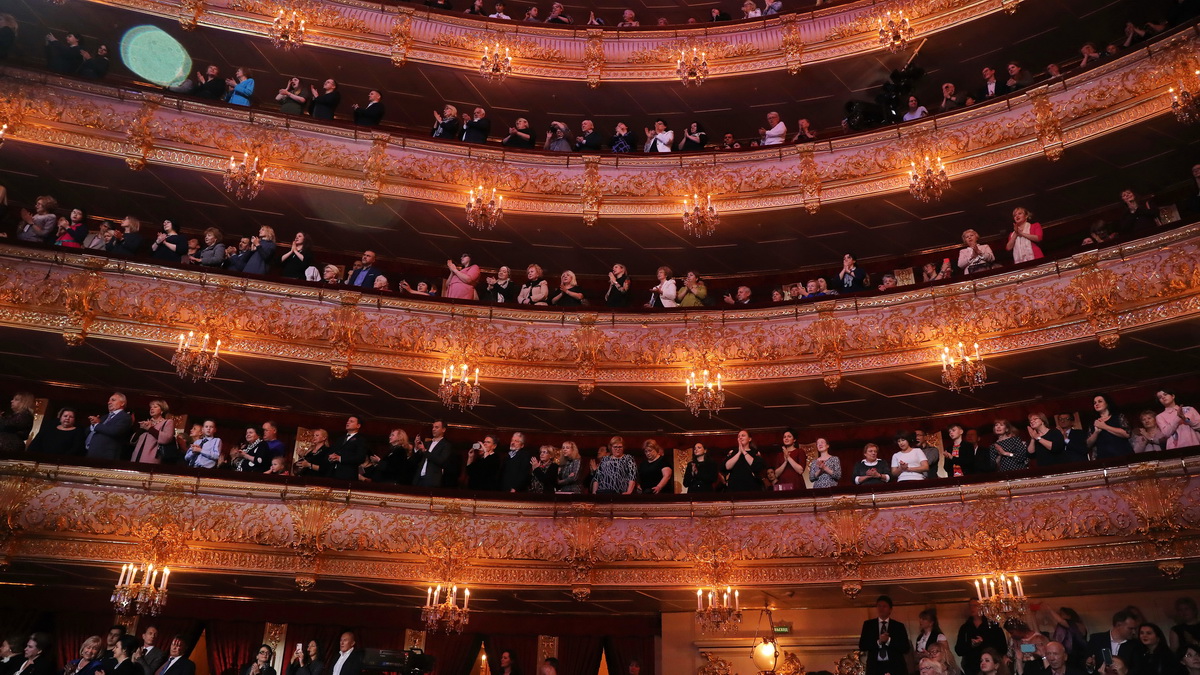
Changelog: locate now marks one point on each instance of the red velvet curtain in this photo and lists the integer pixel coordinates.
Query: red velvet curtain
(619, 651)
(232, 644)
(523, 649)
(455, 654)
(71, 629)
(579, 654)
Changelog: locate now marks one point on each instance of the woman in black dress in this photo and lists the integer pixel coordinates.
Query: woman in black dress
(307, 661)
(742, 465)
(618, 287)
(16, 425)
(702, 474)
(122, 650)
(654, 475)
(1009, 452)
(298, 258)
(545, 471)
(261, 665)
(64, 439)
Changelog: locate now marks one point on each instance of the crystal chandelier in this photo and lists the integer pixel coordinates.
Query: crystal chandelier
(196, 361)
(718, 611)
(704, 393)
(131, 596)
(443, 612)
(894, 32)
(494, 67)
(693, 70)
(700, 220)
(927, 181)
(245, 178)
(457, 390)
(1002, 597)
(287, 30)
(1185, 104)
(484, 212)
(962, 370)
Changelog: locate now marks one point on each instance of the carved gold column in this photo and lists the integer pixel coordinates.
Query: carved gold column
(593, 57)
(1097, 294)
(190, 12)
(375, 167)
(590, 192)
(828, 341)
(588, 341)
(80, 293)
(345, 322)
(847, 525)
(810, 178)
(139, 138)
(792, 45)
(1047, 123)
(312, 517)
(583, 534)
(401, 36)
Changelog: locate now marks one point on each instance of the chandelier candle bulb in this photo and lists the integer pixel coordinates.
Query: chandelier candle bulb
(699, 600)
(978, 590)
(466, 597)
(737, 604)
(1020, 588)
(429, 595)
(166, 573)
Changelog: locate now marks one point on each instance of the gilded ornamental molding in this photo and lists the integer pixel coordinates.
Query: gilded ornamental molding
(772, 43)
(1098, 295)
(143, 128)
(1146, 512)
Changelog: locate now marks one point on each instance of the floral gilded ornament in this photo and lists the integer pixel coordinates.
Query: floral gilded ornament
(80, 293)
(828, 335)
(376, 167)
(1158, 503)
(1047, 122)
(502, 39)
(312, 517)
(1097, 291)
(590, 194)
(847, 524)
(791, 42)
(345, 326)
(810, 179)
(400, 37)
(593, 57)
(17, 490)
(140, 136)
(589, 343)
(668, 52)
(314, 13)
(190, 12)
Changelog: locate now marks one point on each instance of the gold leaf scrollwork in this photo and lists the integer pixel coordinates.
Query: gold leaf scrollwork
(1047, 123)
(519, 47)
(810, 179)
(80, 293)
(1096, 291)
(401, 37)
(312, 517)
(668, 52)
(583, 537)
(828, 335)
(852, 664)
(791, 665)
(715, 665)
(190, 12)
(163, 531)
(17, 490)
(791, 43)
(589, 343)
(139, 138)
(590, 193)
(449, 543)
(376, 167)
(593, 57)
(345, 323)
(315, 13)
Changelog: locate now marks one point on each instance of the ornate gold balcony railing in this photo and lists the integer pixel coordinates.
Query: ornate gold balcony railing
(150, 128)
(1094, 296)
(584, 53)
(1136, 514)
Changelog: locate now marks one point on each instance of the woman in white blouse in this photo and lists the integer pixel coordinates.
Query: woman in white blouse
(750, 11)
(915, 109)
(660, 138)
(976, 257)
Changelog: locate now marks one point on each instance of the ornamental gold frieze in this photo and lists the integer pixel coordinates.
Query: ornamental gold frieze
(1119, 289)
(771, 43)
(143, 129)
(1090, 518)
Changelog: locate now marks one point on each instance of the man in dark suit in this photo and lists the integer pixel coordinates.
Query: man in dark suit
(349, 660)
(517, 470)
(430, 461)
(364, 275)
(590, 140)
(149, 656)
(372, 114)
(476, 127)
(63, 57)
(39, 660)
(977, 634)
(392, 466)
(349, 453)
(1052, 662)
(1076, 449)
(992, 88)
(1120, 640)
(177, 663)
(885, 641)
(109, 435)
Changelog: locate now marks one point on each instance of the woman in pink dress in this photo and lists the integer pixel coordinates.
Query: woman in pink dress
(156, 431)
(1177, 424)
(1023, 240)
(463, 278)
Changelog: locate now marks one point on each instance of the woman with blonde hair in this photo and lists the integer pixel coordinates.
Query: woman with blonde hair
(570, 463)
(568, 294)
(41, 225)
(545, 470)
(89, 657)
(976, 257)
(1023, 240)
(654, 475)
(156, 443)
(535, 290)
(16, 425)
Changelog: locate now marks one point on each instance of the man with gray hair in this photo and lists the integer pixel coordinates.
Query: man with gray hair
(108, 436)
(775, 132)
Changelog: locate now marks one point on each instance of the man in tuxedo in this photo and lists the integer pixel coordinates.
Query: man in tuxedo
(350, 452)
(885, 641)
(38, 658)
(109, 435)
(991, 86)
(1076, 449)
(372, 113)
(364, 275)
(476, 127)
(176, 662)
(517, 470)
(1120, 640)
(150, 656)
(431, 461)
(349, 659)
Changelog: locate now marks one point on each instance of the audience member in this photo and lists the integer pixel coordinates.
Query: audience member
(364, 272)
(742, 465)
(515, 472)
(664, 294)
(569, 294)
(205, 451)
(1023, 240)
(622, 139)
(463, 277)
(63, 57)
(262, 251)
(156, 442)
(979, 636)
(991, 87)
(884, 641)
(15, 426)
(1018, 77)
(535, 290)
(498, 12)
(65, 438)
(1120, 641)
(108, 435)
(324, 103)
(655, 474)
(975, 257)
(371, 114)
(742, 297)
(616, 473)
(804, 133)
(915, 109)
(951, 99)
(544, 478)
(1178, 426)
(1009, 452)
(558, 138)
(239, 88)
(775, 132)
(908, 463)
(660, 138)
(589, 139)
(94, 66)
(570, 477)
(694, 138)
(868, 470)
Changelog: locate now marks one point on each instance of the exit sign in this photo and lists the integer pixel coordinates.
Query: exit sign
(784, 628)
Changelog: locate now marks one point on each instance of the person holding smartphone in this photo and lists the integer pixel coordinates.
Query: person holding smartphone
(306, 660)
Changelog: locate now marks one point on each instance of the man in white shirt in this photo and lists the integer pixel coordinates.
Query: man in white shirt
(349, 660)
(774, 132)
(499, 12)
(908, 463)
